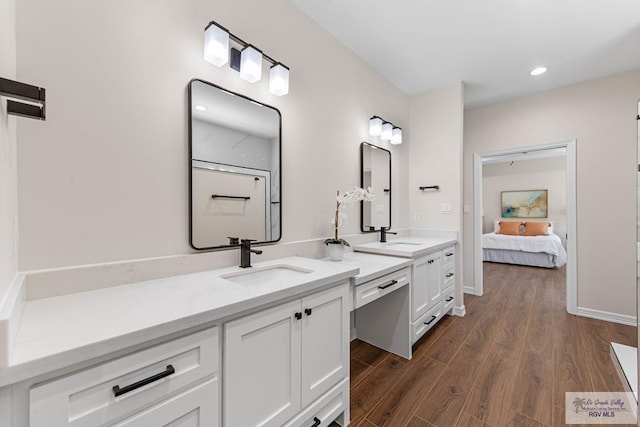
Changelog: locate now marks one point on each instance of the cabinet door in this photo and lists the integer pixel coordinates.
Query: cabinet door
(434, 278)
(419, 289)
(262, 367)
(325, 341)
(196, 407)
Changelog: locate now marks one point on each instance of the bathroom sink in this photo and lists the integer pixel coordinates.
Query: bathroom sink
(394, 242)
(266, 275)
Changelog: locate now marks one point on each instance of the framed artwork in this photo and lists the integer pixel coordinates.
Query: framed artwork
(524, 204)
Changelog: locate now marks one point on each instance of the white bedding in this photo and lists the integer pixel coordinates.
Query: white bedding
(550, 244)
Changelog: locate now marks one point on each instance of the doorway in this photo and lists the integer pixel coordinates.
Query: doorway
(479, 158)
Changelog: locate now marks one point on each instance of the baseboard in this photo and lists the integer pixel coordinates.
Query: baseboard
(459, 311)
(469, 290)
(609, 317)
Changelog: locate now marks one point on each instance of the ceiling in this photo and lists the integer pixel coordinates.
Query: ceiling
(490, 45)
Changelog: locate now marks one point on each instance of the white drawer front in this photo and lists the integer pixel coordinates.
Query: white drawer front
(87, 398)
(449, 256)
(448, 299)
(448, 275)
(193, 408)
(427, 321)
(371, 291)
(325, 409)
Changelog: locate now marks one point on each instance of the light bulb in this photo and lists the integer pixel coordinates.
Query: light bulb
(387, 130)
(396, 136)
(375, 126)
(279, 80)
(216, 44)
(251, 64)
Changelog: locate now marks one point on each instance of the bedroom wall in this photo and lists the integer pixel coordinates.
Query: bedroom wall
(600, 115)
(534, 174)
(105, 177)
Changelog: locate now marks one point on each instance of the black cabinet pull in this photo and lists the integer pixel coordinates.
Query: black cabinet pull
(307, 311)
(449, 254)
(430, 321)
(391, 283)
(117, 391)
(316, 422)
(450, 275)
(449, 299)
(298, 315)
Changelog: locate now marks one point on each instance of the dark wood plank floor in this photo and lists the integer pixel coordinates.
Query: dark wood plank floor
(508, 362)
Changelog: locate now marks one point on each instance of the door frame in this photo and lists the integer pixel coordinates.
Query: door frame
(572, 240)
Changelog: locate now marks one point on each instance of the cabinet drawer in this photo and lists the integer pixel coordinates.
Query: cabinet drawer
(371, 291)
(427, 321)
(449, 255)
(448, 299)
(325, 409)
(448, 275)
(193, 407)
(87, 398)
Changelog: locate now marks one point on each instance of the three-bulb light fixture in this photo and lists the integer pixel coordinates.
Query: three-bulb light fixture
(247, 61)
(387, 131)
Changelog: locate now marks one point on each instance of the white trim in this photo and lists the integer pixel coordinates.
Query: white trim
(469, 289)
(459, 311)
(572, 240)
(607, 316)
(11, 309)
(352, 334)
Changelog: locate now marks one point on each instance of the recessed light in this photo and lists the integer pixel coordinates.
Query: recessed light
(538, 71)
(201, 107)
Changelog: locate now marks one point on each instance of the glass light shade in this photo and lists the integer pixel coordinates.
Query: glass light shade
(251, 64)
(387, 131)
(216, 45)
(375, 126)
(396, 136)
(279, 80)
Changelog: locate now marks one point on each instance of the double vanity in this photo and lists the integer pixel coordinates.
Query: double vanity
(267, 345)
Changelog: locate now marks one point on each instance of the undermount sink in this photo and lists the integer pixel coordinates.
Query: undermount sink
(266, 275)
(394, 242)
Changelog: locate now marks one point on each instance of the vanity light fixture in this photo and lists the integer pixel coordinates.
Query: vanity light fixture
(387, 131)
(396, 136)
(375, 126)
(201, 108)
(247, 59)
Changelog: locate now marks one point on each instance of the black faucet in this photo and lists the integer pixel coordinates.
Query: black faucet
(383, 234)
(245, 252)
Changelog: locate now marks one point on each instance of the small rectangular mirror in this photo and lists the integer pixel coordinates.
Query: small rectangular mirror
(235, 168)
(375, 170)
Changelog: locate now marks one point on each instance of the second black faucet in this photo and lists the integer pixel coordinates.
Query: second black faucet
(245, 252)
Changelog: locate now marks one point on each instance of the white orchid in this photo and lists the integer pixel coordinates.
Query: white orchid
(347, 198)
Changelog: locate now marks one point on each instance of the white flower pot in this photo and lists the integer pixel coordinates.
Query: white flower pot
(336, 251)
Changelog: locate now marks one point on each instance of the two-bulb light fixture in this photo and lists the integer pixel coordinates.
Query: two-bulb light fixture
(387, 131)
(248, 60)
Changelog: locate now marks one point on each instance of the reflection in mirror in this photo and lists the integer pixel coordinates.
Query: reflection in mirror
(375, 169)
(235, 168)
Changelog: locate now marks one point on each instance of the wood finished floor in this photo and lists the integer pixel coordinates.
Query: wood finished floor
(508, 362)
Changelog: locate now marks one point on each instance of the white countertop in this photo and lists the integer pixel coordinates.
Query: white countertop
(60, 331)
(373, 266)
(408, 247)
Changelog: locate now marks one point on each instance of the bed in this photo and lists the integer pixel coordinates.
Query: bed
(537, 251)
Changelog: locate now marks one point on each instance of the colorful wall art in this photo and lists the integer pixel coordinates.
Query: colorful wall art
(524, 204)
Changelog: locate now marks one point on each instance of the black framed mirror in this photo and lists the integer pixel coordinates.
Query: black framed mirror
(235, 168)
(375, 172)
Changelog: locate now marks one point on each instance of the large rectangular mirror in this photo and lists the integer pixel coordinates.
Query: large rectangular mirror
(235, 168)
(375, 169)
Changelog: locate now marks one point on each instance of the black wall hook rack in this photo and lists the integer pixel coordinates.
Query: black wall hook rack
(26, 92)
(430, 187)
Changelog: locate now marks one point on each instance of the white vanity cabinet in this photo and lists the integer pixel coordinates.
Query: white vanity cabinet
(176, 383)
(432, 290)
(286, 361)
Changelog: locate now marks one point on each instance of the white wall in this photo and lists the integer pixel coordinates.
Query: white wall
(436, 159)
(8, 160)
(601, 116)
(533, 174)
(105, 177)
